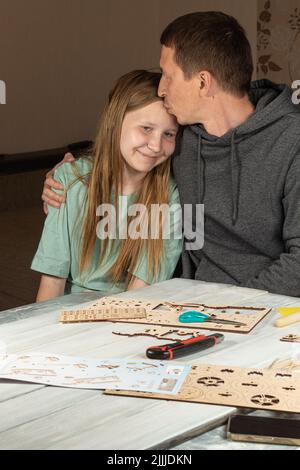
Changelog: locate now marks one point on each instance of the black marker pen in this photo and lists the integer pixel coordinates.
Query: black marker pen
(182, 348)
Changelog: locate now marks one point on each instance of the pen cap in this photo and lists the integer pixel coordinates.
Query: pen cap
(218, 337)
(152, 354)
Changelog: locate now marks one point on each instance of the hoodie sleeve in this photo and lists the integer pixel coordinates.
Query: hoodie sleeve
(283, 275)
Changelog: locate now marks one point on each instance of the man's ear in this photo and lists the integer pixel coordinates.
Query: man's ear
(205, 81)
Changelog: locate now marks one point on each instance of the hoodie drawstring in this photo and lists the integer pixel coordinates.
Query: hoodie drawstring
(235, 180)
(235, 176)
(201, 172)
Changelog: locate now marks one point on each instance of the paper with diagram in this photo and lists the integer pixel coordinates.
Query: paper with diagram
(81, 372)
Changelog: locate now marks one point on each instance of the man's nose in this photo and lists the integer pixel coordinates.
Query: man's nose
(161, 88)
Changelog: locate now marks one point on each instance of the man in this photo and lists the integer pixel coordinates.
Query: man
(239, 155)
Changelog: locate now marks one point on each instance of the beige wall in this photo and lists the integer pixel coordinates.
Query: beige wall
(60, 57)
(278, 40)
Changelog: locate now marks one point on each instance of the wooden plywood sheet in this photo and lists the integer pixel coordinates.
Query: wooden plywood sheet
(164, 313)
(268, 389)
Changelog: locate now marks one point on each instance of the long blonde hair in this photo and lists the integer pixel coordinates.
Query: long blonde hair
(131, 92)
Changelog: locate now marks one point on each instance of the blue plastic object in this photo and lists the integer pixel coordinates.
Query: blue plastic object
(192, 316)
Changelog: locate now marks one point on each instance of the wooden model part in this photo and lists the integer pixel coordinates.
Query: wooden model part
(291, 339)
(162, 333)
(267, 389)
(165, 313)
(102, 314)
(215, 307)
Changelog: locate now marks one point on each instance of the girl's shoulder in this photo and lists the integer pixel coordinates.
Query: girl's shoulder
(70, 173)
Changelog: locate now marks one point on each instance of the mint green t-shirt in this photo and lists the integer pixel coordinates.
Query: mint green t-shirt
(58, 253)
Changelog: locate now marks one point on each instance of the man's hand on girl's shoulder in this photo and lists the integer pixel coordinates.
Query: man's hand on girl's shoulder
(48, 195)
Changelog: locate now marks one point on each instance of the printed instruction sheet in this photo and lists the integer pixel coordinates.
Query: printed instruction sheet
(81, 372)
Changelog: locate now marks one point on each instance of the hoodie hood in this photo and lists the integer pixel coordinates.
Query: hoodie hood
(249, 182)
(271, 102)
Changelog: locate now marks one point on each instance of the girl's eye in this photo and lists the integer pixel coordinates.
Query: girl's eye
(170, 135)
(146, 129)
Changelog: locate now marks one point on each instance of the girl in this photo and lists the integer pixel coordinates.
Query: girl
(130, 160)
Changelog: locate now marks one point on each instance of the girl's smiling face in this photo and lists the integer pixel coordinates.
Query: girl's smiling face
(147, 138)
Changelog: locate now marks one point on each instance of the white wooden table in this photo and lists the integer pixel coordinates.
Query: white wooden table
(38, 417)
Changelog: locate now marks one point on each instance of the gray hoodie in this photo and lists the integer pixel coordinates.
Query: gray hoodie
(249, 183)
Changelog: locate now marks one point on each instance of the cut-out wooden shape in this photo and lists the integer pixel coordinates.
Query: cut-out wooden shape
(102, 314)
(291, 339)
(163, 333)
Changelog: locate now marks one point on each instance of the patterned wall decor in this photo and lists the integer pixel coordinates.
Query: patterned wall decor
(278, 40)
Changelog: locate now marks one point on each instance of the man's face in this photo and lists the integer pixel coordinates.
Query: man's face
(181, 96)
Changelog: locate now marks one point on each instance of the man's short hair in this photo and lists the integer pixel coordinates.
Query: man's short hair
(215, 42)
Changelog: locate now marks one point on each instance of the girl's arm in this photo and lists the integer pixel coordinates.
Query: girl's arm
(50, 287)
(136, 283)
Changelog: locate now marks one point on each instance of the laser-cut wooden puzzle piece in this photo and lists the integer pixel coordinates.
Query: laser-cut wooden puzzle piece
(265, 400)
(291, 338)
(165, 313)
(102, 314)
(117, 302)
(269, 389)
(162, 333)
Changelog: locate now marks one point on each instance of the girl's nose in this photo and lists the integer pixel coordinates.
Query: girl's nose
(154, 143)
